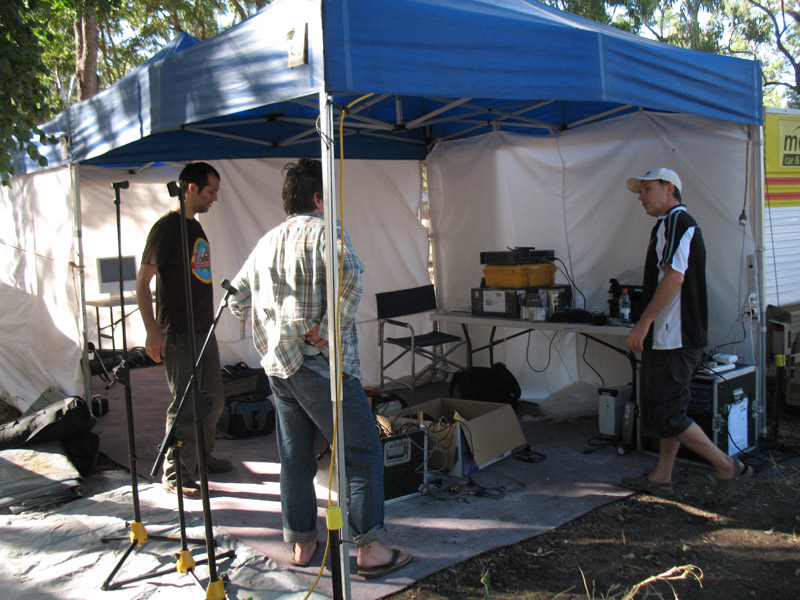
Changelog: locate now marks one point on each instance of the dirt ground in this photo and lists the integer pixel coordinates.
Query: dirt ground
(648, 547)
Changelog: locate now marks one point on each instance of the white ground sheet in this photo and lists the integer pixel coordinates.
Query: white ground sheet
(77, 562)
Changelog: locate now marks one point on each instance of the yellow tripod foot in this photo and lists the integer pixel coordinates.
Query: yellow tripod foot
(138, 533)
(185, 562)
(216, 590)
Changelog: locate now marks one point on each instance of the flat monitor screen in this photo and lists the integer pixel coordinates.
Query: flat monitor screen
(108, 274)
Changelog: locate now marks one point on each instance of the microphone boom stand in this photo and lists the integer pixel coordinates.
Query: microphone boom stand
(138, 533)
(216, 585)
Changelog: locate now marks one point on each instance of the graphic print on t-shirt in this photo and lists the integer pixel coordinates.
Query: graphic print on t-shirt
(201, 260)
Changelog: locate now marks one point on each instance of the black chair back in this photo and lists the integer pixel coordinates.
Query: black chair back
(406, 302)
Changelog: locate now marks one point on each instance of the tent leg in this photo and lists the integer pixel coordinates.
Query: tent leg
(329, 192)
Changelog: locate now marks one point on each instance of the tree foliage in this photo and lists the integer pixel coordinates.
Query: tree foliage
(23, 91)
(779, 22)
(86, 46)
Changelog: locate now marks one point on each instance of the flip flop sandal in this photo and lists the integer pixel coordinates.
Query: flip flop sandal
(379, 571)
(642, 484)
(725, 489)
(311, 558)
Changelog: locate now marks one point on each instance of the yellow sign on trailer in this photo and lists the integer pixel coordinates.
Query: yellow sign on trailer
(782, 157)
(782, 208)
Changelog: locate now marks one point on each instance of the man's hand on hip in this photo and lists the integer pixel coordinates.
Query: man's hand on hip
(313, 337)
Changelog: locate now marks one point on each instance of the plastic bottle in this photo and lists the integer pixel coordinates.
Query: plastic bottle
(625, 306)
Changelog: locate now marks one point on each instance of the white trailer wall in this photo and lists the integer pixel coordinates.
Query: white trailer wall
(782, 209)
(568, 194)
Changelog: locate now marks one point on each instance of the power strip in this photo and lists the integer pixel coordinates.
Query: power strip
(708, 369)
(725, 359)
(752, 279)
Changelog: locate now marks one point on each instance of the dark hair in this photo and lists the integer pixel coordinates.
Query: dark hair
(303, 180)
(196, 173)
(675, 191)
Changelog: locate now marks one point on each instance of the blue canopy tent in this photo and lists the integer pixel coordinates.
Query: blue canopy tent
(438, 69)
(435, 70)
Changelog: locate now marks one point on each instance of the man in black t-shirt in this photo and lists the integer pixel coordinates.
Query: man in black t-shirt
(671, 335)
(168, 332)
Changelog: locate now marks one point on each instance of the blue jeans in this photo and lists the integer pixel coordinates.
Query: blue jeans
(303, 405)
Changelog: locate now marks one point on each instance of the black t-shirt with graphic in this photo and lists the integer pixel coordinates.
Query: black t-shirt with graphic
(163, 248)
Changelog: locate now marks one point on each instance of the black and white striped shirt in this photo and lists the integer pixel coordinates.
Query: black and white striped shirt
(676, 240)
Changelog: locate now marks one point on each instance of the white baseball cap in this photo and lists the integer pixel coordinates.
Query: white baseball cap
(668, 175)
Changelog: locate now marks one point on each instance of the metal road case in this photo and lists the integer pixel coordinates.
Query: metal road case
(725, 406)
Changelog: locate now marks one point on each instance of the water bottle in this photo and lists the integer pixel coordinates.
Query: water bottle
(625, 306)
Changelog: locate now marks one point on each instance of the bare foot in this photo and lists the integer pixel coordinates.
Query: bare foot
(303, 552)
(730, 471)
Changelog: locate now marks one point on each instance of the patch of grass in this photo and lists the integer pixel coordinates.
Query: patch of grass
(683, 572)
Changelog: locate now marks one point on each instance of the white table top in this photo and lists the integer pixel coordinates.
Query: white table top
(465, 316)
(112, 300)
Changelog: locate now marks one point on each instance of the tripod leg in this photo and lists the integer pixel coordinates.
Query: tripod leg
(107, 583)
(184, 559)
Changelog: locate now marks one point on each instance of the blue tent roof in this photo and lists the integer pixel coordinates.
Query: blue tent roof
(436, 69)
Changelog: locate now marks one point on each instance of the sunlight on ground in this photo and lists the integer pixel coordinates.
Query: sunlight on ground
(262, 468)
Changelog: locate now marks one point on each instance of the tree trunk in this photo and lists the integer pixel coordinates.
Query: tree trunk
(86, 44)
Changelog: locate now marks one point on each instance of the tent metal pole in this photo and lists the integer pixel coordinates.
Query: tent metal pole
(758, 205)
(75, 176)
(341, 589)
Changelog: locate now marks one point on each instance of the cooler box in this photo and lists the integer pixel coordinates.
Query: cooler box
(519, 276)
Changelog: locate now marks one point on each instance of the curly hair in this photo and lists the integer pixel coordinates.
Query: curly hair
(303, 179)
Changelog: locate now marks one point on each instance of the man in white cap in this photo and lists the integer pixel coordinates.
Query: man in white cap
(671, 335)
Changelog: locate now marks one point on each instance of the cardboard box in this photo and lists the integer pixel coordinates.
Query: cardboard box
(471, 434)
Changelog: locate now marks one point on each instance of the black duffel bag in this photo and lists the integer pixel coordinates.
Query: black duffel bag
(240, 379)
(487, 384)
(247, 415)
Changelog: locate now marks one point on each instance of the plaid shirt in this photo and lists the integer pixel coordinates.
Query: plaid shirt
(281, 287)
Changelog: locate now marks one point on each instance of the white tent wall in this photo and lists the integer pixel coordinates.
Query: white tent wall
(145, 200)
(381, 199)
(568, 194)
(39, 288)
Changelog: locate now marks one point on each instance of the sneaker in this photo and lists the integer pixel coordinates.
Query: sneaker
(190, 488)
(218, 465)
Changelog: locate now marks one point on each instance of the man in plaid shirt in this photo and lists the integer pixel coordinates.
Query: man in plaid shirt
(282, 290)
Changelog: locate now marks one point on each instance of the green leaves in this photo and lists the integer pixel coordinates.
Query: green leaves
(21, 67)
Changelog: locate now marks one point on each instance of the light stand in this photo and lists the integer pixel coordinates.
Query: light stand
(138, 534)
